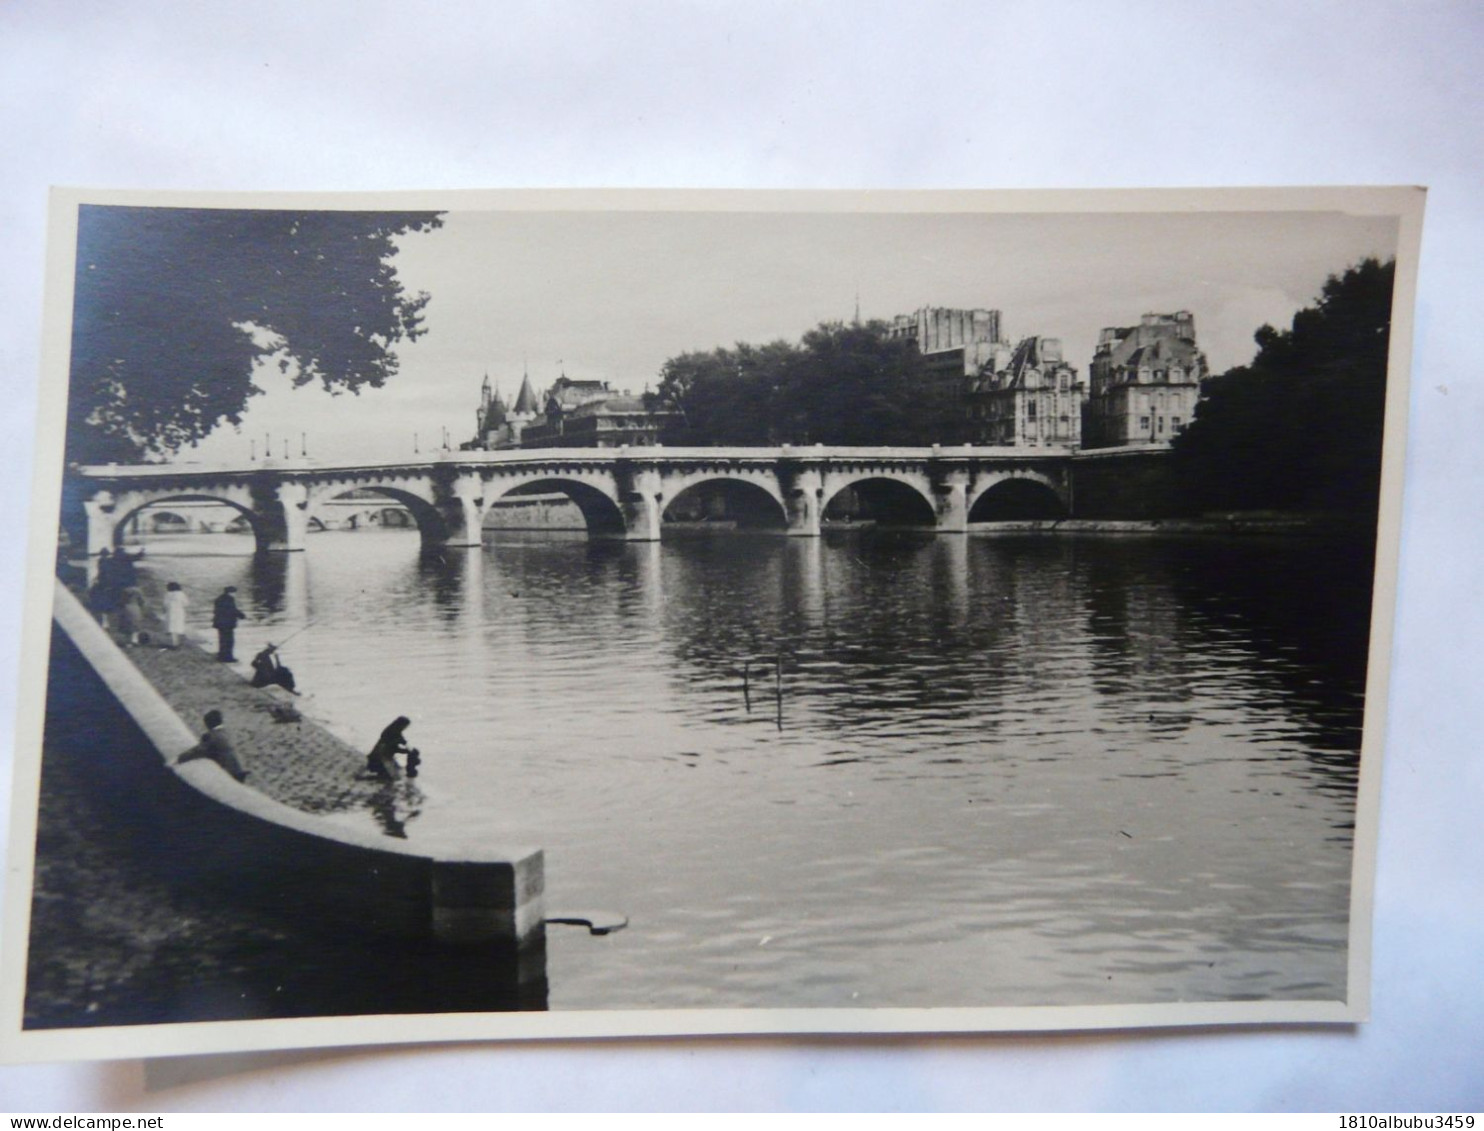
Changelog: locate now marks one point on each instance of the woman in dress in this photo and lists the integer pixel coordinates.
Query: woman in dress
(131, 615)
(175, 612)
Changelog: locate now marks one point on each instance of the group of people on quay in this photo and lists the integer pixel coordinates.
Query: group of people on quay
(381, 764)
(115, 596)
(118, 600)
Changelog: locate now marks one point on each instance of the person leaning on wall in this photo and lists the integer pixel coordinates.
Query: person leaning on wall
(216, 745)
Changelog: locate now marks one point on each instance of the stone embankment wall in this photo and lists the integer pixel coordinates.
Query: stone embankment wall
(535, 512)
(260, 849)
(1124, 484)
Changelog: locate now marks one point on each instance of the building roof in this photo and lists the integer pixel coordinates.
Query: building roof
(1034, 352)
(567, 394)
(494, 414)
(1164, 352)
(610, 405)
(526, 403)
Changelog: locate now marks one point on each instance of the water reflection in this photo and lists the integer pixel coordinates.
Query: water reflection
(278, 585)
(443, 574)
(393, 805)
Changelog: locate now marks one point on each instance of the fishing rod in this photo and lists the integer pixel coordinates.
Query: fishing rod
(295, 633)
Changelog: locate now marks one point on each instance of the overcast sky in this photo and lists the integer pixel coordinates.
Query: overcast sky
(611, 295)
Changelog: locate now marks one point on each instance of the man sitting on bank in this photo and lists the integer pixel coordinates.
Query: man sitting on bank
(217, 746)
(267, 671)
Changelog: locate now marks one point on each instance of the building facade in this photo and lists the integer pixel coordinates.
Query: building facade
(956, 345)
(571, 414)
(1034, 400)
(1144, 382)
(588, 414)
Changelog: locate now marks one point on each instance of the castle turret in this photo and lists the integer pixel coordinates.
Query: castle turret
(526, 404)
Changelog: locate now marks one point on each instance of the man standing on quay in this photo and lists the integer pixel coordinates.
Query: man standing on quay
(224, 617)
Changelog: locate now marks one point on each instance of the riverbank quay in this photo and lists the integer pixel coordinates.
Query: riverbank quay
(289, 758)
(174, 893)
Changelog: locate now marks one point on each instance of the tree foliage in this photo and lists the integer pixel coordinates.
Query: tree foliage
(1300, 427)
(842, 384)
(175, 307)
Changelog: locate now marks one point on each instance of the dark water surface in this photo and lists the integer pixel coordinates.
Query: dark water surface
(991, 770)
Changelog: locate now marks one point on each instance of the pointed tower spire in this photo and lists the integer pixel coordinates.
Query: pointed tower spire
(525, 401)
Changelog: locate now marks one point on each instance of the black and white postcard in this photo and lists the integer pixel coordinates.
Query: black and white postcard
(533, 614)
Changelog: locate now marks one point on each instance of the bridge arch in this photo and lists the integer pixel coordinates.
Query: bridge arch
(1023, 496)
(162, 520)
(750, 501)
(891, 499)
(430, 521)
(600, 511)
(132, 506)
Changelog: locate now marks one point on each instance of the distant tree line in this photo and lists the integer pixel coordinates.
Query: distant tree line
(1300, 427)
(841, 384)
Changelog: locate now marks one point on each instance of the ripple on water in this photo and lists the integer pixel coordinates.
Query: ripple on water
(1014, 772)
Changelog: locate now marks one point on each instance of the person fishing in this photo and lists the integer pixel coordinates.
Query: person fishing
(269, 671)
(382, 761)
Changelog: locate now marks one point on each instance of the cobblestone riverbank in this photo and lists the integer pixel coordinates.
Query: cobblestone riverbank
(288, 756)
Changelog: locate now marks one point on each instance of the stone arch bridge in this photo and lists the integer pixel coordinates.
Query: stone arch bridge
(622, 492)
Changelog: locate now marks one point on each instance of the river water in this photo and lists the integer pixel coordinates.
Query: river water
(872, 769)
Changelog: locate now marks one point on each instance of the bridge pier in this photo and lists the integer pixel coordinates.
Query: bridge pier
(462, 511)
(102, 514)
(641, 493)
(281, 516)
(804, 496)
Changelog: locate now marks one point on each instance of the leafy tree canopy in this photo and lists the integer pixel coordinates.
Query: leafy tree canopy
(174, 307)
(842, 384)
(1300, 428)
